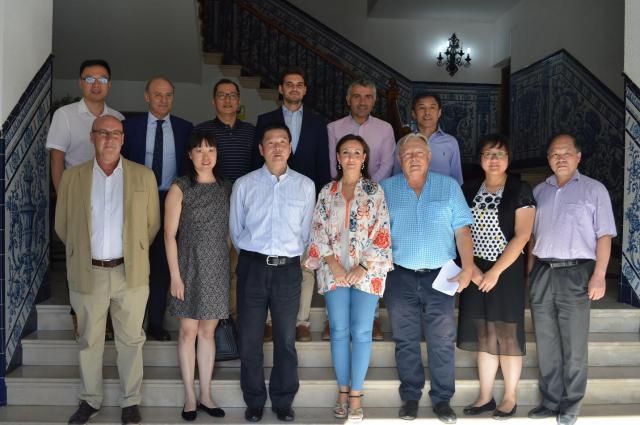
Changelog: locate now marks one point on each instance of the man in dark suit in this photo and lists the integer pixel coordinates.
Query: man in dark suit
(310, 156)
(157, 140)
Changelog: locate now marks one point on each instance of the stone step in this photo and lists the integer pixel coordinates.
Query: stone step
(610, 320)
(55, 348)
(621, 414)
(59, 386)
(231, 70)
(249, 82)
(212, 58)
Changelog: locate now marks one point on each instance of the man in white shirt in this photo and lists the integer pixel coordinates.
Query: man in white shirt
(68, 138)
(269, 222)
(107, 214)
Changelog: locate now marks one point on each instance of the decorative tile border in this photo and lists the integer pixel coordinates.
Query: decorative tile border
(559, 94)
(469, 111)
(629, 286)
(25, 206)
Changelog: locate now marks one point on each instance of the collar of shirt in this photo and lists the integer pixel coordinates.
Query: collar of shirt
(151, 119)
(286, 111)
(219, 122)
(266, 175)
(97, 167)
(83, 109)
(553, 181)
(368, 120)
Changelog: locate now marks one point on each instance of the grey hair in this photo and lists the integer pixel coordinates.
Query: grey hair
(410, 136)
(364, 83)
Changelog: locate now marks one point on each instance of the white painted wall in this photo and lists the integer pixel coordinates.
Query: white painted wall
(192, 100)
(591, 30)
(409, 46)
(25, 43)
(632, 40)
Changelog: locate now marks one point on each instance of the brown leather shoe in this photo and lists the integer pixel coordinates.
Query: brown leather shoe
(326, 333)
(377, 334)
(268, 333)
(302, 333)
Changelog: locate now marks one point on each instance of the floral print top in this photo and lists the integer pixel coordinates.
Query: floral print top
(365, 222)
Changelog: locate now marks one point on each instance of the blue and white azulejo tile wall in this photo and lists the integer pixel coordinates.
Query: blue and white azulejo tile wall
(629, 291)
(25, 187)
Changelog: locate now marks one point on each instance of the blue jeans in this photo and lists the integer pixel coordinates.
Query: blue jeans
(351, 322)
(415, 307)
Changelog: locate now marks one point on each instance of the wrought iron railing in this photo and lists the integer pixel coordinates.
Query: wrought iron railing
(264, 43)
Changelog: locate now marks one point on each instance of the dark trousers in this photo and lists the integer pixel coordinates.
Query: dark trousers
(262, 287)
(560, 308)
(415, 307)
(159, 279)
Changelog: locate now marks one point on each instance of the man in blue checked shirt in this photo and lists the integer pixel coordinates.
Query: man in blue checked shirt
(429, 219)
(269, 221)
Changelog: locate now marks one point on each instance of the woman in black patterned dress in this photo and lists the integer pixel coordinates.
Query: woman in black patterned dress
(491, 318)
(196, 237)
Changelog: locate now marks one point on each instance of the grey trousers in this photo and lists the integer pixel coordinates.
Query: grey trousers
(560, 308)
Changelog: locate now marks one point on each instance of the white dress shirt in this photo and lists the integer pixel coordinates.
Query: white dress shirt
(107, 215)
(272, 216)
(70, 132)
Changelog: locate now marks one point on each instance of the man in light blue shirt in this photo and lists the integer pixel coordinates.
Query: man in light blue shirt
(429, 220)
(270, 221)
(426, 109)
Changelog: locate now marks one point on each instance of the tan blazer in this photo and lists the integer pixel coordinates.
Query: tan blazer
(141, 211)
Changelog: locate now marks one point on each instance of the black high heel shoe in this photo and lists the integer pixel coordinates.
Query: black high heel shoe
(190, 415)
(501, 416)
(216, 412)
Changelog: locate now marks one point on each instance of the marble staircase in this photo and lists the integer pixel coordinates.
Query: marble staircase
(44, 388)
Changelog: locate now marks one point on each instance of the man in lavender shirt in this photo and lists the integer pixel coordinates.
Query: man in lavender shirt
(361, 97)
(426, 109)
(571, 246)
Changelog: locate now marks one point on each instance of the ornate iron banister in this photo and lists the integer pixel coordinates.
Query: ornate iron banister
(265, 46)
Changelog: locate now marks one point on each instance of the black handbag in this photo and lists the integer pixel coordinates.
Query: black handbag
(226, 339)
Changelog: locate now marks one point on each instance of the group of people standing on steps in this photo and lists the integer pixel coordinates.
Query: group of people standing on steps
(250, 218)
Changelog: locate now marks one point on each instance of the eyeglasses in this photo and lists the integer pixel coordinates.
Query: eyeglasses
(92, 80)
(230, 96)
(494, 155)
(106, 134)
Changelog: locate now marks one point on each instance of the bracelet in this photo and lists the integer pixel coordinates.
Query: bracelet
(366, 269)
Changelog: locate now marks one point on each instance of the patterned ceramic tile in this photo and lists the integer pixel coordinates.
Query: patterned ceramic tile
(25, 186)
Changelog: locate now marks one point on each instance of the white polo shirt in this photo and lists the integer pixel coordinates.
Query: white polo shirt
(70, 132)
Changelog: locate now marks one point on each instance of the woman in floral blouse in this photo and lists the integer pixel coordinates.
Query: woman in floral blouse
(351, 251)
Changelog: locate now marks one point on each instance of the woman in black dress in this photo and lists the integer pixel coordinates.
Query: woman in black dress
(491, 318)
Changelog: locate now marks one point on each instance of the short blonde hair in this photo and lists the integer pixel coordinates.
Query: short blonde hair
(410, 136)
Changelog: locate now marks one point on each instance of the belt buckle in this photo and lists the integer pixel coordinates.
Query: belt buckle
(275, 257)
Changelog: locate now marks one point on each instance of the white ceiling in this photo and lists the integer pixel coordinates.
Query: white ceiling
(469, 10)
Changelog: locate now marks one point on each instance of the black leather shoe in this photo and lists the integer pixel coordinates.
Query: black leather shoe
(84, 414)
(216, 412)
(190, 415)
(284, 413)
(541, 412)
(566, 419)
(253, 414)
(159, 334)
(131, 415)
(472, 410)
(445, 413)
(409, 410)
(501, 416)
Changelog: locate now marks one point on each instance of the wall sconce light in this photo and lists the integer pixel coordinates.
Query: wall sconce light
(453, 56)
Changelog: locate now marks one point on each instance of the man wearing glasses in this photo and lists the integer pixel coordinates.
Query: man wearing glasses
(235, 148)
(68, 137)
(107, 214)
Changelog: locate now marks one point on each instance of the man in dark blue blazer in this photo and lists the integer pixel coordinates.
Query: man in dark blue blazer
(310, 156)
(157, 140)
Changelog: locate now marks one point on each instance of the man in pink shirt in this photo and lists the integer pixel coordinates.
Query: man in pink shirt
(361, 98)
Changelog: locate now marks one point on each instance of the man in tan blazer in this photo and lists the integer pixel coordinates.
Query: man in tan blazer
(107, 215)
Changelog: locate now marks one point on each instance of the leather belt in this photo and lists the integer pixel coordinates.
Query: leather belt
(107, 263)
(558, 264)
(398, 266)
(273, 260)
